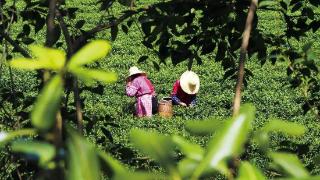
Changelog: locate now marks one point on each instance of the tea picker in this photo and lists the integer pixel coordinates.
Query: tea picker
(185, 89)
(139, 86)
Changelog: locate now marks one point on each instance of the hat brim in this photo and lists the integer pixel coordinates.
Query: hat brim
(184, 79)
(135, 73)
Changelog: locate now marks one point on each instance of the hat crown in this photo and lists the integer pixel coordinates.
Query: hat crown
(190, 82)
(135, 70)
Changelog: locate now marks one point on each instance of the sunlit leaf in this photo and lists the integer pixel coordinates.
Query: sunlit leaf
(289, 128)
(27, 64)
(45, 58)
(249, 172)
(203, 127)
(290, 164)
(6, 137)
(192, 151)
(43, 152)
(227, 142)
(91, 52)
(99, 75)
(47, 104)
(158, 147)
(50, 58)
(82, 159)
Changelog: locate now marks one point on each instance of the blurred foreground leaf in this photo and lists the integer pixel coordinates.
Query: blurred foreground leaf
(192, 151)
(187, 166)
(47, 104)
(88, 75)
(227, 142)
(249, 172)
(203, 127)
(158, 147)
(83, 161)
(140, 176)
(6, 137)
(54, 58)
(113, 164)
(289, 128)
(46, 58)
(91, 52)
(43, 152)
(290, 164)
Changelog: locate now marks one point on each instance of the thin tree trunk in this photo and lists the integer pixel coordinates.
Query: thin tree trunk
(49, 42)
(50, 23)
(78, 105)
(243, 53)
(70, 52)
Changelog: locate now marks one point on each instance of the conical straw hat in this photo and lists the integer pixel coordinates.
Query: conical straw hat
(135, 70)
(190, 82)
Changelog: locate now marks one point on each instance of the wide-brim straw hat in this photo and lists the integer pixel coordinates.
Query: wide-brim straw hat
(190, 82)
(135, 70)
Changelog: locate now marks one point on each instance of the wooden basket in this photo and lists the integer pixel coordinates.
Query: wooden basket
(165, 107)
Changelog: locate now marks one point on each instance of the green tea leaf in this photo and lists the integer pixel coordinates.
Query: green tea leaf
(91, 52)
(44, 152)
(205, 127)
(192, 151)
(83, 161)
(227, 142)
(157, 146)
(47, 104)
(289, 128)
(88, 75)
(250, 172)
(290, 164)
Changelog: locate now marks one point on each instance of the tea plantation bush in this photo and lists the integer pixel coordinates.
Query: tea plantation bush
(108, 113)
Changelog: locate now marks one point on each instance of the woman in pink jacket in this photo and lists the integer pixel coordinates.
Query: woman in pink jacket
(140, 86)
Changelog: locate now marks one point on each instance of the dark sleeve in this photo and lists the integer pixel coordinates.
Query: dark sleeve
(175, 99)
(194, 100)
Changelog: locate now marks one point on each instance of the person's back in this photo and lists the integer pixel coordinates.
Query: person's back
(144, 85)
(140, 86)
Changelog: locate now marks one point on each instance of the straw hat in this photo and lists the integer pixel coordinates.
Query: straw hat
(189, 82)
(134, 70)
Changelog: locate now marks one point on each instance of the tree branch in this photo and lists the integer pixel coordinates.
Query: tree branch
(116, 22)
(15, 45)
(243, 53)
(66, 34)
